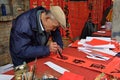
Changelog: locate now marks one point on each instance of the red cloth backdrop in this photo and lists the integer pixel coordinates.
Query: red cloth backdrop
(106, 4)
(78, 13)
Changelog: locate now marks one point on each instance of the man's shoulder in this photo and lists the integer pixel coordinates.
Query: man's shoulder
(31, 12)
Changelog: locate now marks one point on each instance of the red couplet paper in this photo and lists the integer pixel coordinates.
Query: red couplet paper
(71, 76)
(95, 42)
(111, 68)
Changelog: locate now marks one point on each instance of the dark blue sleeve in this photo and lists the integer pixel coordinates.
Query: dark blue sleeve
(56, 36)
(21, 44)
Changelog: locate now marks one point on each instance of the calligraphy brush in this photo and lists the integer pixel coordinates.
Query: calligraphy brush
(58, 51)
(60, 54)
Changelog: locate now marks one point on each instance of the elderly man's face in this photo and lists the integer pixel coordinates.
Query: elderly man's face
(52, 25)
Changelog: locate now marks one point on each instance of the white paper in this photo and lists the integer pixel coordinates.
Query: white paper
(56, 67)
(101, 32)
(101, 38)
(6, 77)
(84, 49)
(103, 26)
(6, 68)
(100, 46)
(106, 51)
(82, 41)
(93, 57)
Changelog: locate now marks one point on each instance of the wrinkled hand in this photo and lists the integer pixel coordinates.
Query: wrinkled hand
(53, 46)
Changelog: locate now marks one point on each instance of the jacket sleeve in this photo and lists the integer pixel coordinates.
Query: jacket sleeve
(56, 36)
(21, 41)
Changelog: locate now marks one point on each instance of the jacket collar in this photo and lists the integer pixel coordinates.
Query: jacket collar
(33, 18)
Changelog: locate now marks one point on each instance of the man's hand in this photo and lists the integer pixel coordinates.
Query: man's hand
(53, 46)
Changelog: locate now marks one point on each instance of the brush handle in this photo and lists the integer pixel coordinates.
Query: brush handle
(60, 54)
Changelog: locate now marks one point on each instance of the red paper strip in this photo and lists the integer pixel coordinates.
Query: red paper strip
(82, 62)
(71, 76)
(106, 68)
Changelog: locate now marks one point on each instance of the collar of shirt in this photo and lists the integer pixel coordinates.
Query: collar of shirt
(39, 12)
(41, 24)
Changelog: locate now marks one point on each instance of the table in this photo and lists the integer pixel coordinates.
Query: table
(98, 34)
(42, 68)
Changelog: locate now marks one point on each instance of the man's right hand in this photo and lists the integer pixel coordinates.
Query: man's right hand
(54, 47)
